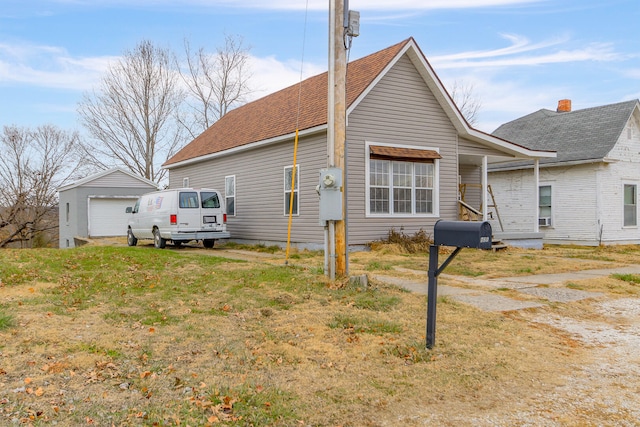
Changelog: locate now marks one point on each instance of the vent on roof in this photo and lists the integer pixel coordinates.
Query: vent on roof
(564, 106)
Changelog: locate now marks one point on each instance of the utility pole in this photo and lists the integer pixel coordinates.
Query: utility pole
(336, 122)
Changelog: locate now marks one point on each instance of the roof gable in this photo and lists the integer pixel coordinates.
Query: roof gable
(580, 135)
(107, 178)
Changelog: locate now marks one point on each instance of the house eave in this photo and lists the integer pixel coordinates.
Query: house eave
(506, 146)
(496, 168)
(246, 147)
(104, 173)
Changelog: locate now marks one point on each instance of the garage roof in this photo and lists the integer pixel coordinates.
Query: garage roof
(116, 177)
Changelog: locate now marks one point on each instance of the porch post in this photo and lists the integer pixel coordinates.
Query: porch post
(536, 192)
(485, 189)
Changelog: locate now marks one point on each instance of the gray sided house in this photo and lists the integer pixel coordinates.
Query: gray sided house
(95, 206)
(407, 150)
(589, 193)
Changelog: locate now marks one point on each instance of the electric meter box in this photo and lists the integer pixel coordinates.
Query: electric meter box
(353, 28)
(330, 191)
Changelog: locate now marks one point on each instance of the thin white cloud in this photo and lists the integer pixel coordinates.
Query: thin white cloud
(49, 66)
(54, 67)
(522, 52)
(519, 44)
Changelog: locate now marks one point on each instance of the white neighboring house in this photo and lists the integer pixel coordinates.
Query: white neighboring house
(587, 195)
(95, 206)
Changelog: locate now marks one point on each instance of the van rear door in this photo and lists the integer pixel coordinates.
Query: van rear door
(188, 218)
(212, 211)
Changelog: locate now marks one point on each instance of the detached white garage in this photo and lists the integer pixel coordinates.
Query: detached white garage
(95, 206)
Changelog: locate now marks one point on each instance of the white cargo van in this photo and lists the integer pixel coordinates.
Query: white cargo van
(179, 216)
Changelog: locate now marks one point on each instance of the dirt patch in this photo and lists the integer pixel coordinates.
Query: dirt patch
(9, 294)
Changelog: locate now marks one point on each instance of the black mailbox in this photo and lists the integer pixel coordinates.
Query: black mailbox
(463, 234)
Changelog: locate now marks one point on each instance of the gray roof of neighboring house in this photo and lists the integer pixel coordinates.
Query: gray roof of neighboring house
(580, 135)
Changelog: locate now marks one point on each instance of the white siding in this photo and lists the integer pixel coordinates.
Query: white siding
(587, 200)
(573, 201)
(611, 212)
(613, 176)
(514, 196)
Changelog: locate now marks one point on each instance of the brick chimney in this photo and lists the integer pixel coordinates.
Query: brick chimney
(564, 106)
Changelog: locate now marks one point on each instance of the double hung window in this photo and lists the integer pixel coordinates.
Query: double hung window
(630, 205)
(230, 194)
(544, 205)
(291, 185)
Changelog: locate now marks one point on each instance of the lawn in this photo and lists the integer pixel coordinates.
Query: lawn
(104, 335)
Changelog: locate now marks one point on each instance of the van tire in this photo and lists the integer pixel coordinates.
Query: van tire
(208, 243)
(158, 241)
(131, 239)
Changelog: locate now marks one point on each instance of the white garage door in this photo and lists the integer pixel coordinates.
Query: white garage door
(107, 216)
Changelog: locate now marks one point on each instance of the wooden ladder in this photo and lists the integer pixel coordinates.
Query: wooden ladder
(494, 206)
(469, 211)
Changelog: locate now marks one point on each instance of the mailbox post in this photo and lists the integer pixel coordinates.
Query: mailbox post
(461, 234)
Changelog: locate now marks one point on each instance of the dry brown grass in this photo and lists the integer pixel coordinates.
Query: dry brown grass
(258, 343)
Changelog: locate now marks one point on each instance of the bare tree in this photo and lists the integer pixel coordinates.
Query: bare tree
(32, 167)
(217, 83)
(133, 116)
(465, 98)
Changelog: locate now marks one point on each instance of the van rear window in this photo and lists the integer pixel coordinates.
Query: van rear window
(189, 199)
(210, 199)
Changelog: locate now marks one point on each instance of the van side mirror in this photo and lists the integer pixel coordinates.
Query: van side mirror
(129, 209)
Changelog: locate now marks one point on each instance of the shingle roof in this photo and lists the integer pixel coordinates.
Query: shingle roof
(277, 114)
(580, 135)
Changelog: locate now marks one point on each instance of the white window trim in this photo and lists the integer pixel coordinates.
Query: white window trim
(296, 189)
(623, 205)
(185, 182)
(436, 183)
(235, 195)
(546, 184)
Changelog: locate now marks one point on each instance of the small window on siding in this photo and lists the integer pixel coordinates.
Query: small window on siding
(630, 205)
(230, 194)
(544, 206)
(185, 182)
(288, 181)
(67, 212)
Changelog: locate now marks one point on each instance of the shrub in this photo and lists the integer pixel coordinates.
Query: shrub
(416, 243)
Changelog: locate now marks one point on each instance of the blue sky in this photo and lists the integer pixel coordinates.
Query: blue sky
(519, 55)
